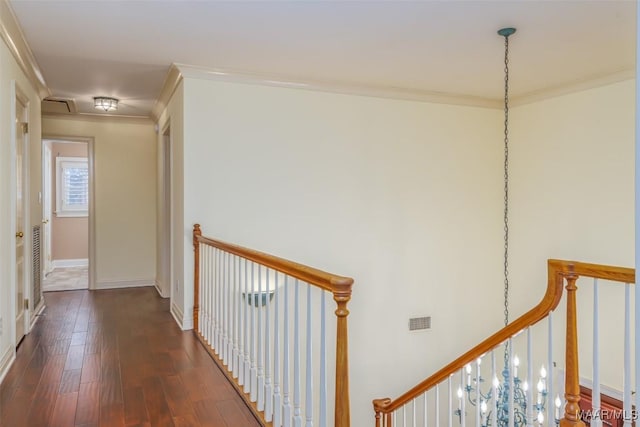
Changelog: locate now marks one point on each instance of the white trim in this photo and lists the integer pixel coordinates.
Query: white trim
(116, 284)
(171, 82)
(15, 40)
(158, 287)
(225, 75)
(607, 391)
(90, 141)
(572, 87)
(36, 314)
(185, 323)
(7, 360)
(69, 263)
(180, 71)
(177, 315)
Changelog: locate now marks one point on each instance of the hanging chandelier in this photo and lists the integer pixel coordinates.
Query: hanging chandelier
(511, 391)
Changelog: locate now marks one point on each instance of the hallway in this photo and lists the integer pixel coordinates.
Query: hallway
(115, 358)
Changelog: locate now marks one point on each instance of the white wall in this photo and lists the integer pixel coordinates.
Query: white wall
(125, 195)
(10, 74)
(572, 169)
(403, 196)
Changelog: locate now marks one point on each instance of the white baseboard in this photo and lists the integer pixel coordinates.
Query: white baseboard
(158, 286)
(5, 363)
(185, 323)
(36, 314)
(67, 263)
(115, 284)
(177, 315)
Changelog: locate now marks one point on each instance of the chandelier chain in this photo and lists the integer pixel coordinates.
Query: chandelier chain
(506, 187)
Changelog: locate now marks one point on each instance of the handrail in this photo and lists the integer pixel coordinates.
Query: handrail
(558, 270)
(339, 286)
(327, 281)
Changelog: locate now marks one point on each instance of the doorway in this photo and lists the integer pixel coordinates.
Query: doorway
(67, 184)
(164, 221)
(21, 222)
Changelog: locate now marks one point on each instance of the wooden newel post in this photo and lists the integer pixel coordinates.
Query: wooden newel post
(342, 295)
(572, 380)
(196, 276)
(379, 406)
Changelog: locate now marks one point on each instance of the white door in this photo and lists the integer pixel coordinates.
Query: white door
(20, 220)
(46, 208)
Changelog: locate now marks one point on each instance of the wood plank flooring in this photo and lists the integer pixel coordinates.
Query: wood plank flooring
(115, 358)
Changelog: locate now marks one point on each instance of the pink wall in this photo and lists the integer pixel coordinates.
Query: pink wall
(69, 236)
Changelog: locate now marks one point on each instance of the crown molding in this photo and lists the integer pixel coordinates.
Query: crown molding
(13, 36)
(171, 82)
(573, 87)
(177, 72)
(226, 75)
(91, 117)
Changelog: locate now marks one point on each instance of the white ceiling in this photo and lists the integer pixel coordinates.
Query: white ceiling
(125, 48)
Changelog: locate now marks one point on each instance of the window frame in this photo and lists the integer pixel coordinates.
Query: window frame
(63, 210)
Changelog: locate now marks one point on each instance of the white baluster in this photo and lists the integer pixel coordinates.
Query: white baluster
(478, 393)
(530, 383)
(425, 412)
(210, 290)
(308, 407)
(596, 420)
(297, 414)
(206, 298)
(218, 308)
(550, 396)
(277, 399)
(241, 323)
(202, 325)
(229, 352)
(404, 415)
(268, 407)
(260, 344)
(236, 317)
(450, 411)
(437, 405)
(254, 355)
(225, 308)
(247, 329)
(461, 391)
(626, 403)
(511, 384)
(323, 362)
(413, 410)
(286, 404)
(494, 387)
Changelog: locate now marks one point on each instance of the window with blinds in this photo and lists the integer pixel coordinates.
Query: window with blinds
(72, 186)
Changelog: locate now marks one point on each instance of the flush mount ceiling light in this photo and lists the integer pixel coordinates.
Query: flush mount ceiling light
(105, 103)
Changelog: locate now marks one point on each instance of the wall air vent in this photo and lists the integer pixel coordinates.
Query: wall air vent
(59, 106)
(420, 323)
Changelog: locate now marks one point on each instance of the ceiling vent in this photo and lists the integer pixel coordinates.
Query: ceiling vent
(59, 106)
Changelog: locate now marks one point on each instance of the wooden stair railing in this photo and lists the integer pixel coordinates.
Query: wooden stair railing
(558, 272)
(340, 287)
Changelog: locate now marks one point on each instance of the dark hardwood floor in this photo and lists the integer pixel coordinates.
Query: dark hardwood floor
(115, 358)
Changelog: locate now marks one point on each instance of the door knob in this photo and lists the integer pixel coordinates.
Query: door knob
(45, 221)
(20, 234)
